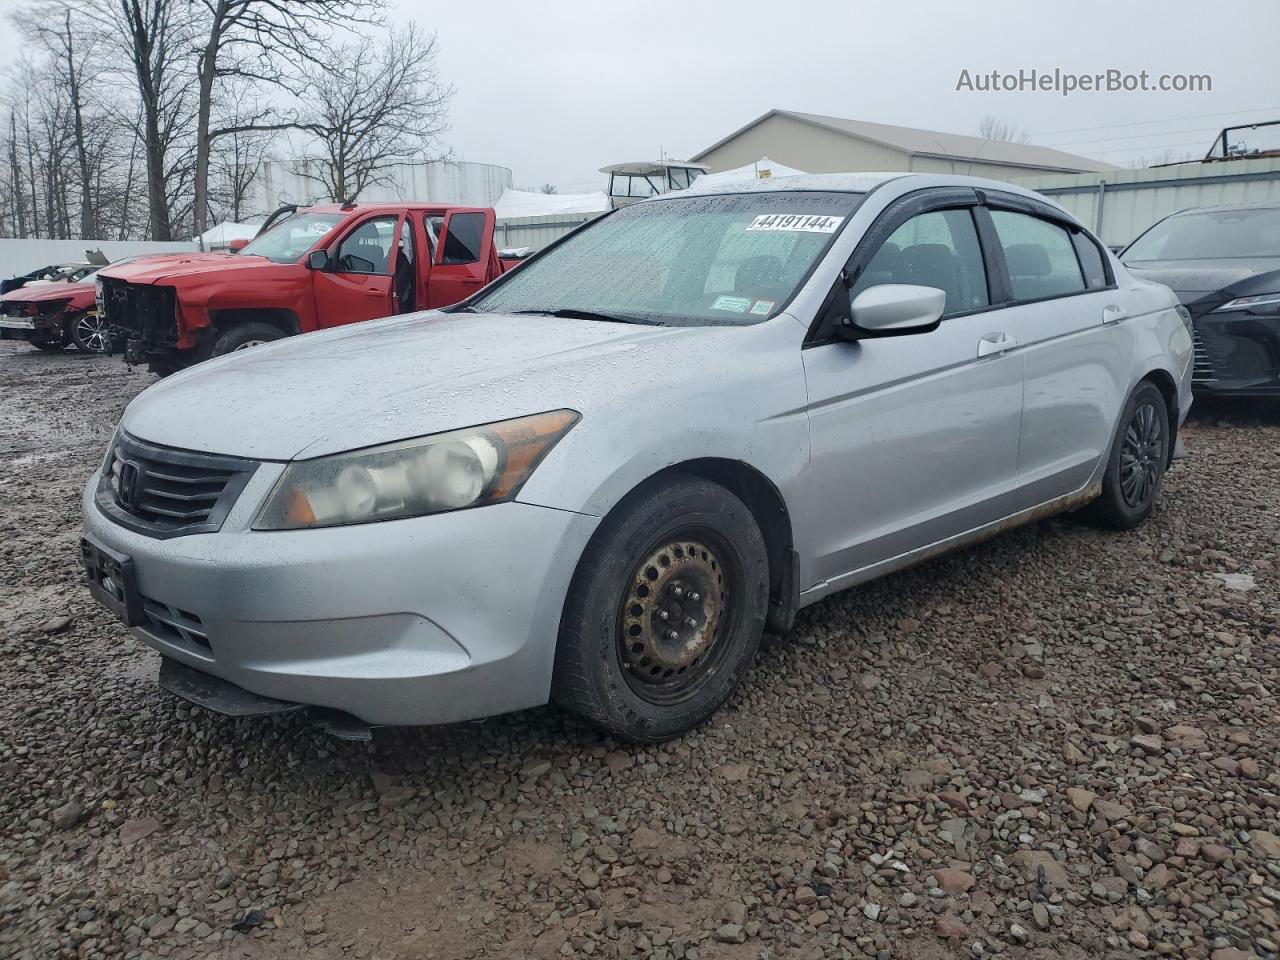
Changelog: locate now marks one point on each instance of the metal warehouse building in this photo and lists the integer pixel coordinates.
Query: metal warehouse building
(820, 144)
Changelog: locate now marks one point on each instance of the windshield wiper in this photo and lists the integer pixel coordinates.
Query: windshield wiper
(572, 313)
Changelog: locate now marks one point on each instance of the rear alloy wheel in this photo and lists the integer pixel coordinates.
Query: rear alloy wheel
(1139, 457)
(665, 611)
(244, 336)
(89, 333)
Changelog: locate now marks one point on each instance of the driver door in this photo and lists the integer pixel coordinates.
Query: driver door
(358, 285)
(914, 438)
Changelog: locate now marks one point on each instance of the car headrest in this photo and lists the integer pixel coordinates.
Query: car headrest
(928, 260)
(1027, 260)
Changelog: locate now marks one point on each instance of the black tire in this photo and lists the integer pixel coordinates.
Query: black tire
(48, 346)
(708, 545)
(1137, 463)
(88, 333)
(243, 336)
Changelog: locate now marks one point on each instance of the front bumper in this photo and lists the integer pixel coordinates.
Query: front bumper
(1237, 354)
(429, 620)
(32, 329)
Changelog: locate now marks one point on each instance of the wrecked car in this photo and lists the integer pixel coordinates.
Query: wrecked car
(308, 269)
(600, 480)
(51, 316)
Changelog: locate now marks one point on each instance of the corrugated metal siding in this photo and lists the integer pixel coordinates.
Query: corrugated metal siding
(965, 168)
(537, 232)
(1134, 199)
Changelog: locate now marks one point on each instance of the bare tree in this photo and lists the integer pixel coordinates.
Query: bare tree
(991, 127)
(374, 104)
(155, 37)
(236, 160)
(265, 42)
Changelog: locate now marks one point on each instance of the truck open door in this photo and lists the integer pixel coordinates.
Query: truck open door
(357, 284)
(464, 255)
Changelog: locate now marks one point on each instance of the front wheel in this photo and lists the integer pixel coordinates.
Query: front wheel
(243, 336)
(665, 611)
(89, 333)
(1135, 469)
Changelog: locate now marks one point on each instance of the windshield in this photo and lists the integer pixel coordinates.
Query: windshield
(733, 259)
(1210, 235)
(292, 237)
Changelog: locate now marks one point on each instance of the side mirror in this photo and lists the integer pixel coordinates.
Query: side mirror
(318, 260)
(893, 310)
(238, 244)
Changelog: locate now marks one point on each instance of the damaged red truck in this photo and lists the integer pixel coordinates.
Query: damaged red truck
(308, 269)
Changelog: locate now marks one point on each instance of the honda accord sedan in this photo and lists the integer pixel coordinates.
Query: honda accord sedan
(1224, 264)
(601, 479)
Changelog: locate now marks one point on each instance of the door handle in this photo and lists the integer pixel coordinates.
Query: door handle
(374, 292)
(1112, 314)
(994, 344)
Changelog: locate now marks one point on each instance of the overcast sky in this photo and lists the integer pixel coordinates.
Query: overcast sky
(556, 90)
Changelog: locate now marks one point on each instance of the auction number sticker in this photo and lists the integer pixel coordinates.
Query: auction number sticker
(796, 223)
(762, 307)
(735, 304)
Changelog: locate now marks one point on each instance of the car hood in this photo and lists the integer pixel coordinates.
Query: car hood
(1204, 276)
(167, 268)
(50, 291)
(403, 377)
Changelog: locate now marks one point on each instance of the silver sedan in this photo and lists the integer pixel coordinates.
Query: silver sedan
(603, 477)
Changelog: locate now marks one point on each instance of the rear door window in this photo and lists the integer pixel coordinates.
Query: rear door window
(464, 238)
(1040, 255)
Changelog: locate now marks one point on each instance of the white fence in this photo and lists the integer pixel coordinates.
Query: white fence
(22, 256)
(1120, 204)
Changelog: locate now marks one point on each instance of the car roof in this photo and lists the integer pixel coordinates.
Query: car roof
(380, 205)
(852, 183)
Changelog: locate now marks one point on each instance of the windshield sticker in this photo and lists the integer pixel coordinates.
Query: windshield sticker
(735, 304)
(320, 227)
(796, 222)
(762, 307)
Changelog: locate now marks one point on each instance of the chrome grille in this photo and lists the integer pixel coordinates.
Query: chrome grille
(1202, 367)
(164, 492)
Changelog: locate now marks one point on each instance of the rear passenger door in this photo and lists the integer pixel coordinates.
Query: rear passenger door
(464, 259)
(914, 438)
(1076, 344)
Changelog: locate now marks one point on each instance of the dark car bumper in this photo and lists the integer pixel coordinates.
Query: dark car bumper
(1237, 354)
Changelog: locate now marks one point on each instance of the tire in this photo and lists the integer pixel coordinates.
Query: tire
(686, 550)
(1137, 463)
(242, 336)
(88, 333)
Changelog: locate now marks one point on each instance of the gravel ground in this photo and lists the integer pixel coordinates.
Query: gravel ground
(1062, 743)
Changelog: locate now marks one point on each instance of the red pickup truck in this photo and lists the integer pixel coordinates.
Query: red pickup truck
(308, 269)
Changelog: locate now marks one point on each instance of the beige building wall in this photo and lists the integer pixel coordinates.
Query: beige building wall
(805, 147)
(819, 150)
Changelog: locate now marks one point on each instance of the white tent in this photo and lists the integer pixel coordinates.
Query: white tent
(762, 169)
(526, 203)
(224, 233)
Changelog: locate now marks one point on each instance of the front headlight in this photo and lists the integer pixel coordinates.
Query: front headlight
(448, 471)
(1267, 303)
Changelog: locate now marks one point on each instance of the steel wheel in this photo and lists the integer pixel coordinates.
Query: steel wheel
(247, 344)
(671, 618)
(1142, 456)
(90, 333)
